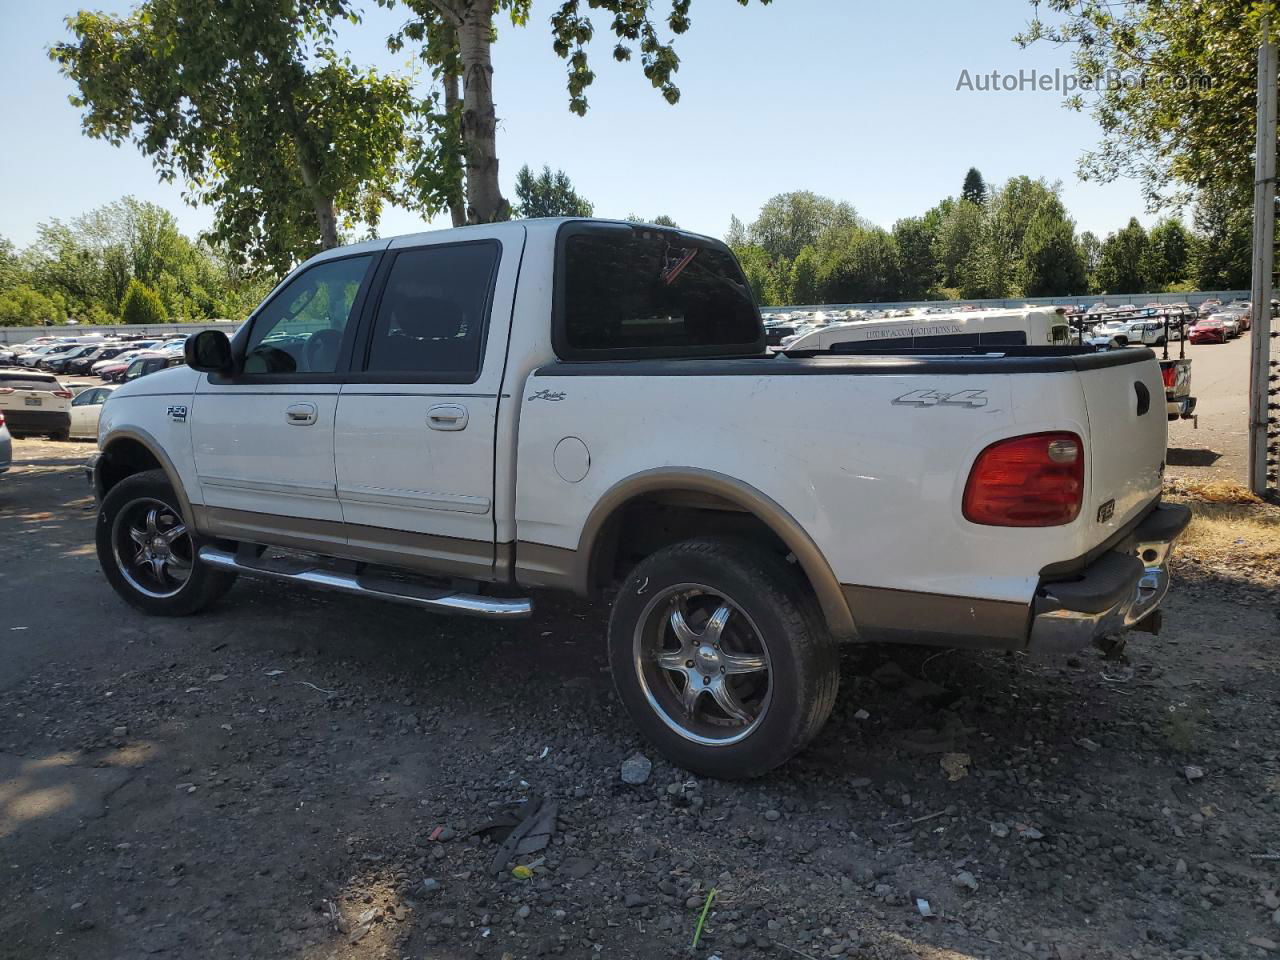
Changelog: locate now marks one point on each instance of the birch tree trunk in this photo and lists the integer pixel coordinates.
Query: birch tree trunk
(485, 203)
(457, 197)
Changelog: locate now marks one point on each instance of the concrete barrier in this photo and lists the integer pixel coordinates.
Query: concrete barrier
(23, 334)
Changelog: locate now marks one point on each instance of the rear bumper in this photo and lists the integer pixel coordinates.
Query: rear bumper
(1183, 408)
(37, 421)
(1115, 592)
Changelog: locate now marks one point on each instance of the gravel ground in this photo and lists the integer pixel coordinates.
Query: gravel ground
(298, 775)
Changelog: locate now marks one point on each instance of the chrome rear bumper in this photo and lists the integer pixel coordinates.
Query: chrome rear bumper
(1115, 592)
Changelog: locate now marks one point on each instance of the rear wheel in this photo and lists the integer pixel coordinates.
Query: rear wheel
(721, 657)
(147, 552)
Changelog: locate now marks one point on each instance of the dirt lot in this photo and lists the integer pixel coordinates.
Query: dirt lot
(1218, 448)
(267, 780)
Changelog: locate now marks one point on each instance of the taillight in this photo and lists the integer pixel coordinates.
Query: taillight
(1, 419)
(63, 394)
(1031, 481)
(6, 390)
(1170, 376)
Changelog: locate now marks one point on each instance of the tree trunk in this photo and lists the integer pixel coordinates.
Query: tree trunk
(457, 198)
(485, 203)
(322, 203)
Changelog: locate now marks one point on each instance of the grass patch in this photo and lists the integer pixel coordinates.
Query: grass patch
(1229, 526)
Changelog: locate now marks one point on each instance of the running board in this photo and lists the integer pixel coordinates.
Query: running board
(428, 598)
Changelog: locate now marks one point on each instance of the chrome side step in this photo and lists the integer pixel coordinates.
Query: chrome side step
(428, 598)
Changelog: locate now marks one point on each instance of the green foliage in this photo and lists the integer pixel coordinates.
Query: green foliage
(791, 221)
(548, 195)
(1051, 262)
(1090, 249)
(248, 103)
(1124, 255)
(975, 188)
(1168, 254)
(804, 277)
(859, 264)
(1222, 247)
(24, 306)
(141, 304)
(662, 220)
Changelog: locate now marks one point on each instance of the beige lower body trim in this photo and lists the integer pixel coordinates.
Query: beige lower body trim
(422, 552)
(540, 565)
(908, 616)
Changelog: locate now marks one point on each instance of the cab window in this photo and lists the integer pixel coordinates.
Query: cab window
(302, 328)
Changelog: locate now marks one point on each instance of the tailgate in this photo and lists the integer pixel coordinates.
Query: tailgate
(1128, 436)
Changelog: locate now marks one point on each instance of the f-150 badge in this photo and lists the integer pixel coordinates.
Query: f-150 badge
(932, 398)
(178, 413)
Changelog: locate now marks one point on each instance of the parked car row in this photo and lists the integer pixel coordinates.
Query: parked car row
(111, 360)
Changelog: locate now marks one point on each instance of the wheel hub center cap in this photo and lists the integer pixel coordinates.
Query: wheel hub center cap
(708, 659)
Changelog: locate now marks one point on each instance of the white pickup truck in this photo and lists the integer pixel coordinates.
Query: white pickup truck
(457, 419)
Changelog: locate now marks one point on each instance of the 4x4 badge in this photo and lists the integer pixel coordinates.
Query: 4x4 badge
(932, 398)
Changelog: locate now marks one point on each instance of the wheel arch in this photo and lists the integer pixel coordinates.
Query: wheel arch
(597, 549)
(130, 450)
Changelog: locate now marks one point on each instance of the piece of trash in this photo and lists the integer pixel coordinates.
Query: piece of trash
(1091, 745)
(862, 715)
(955, 765)
(308, 683)
(543, 754)
(17, 628)
(965, 880)
(923, 906)
(335, 917)
(224, 726)
(529, 835)
(1027, 832)
(1120, 676)
(1193, 773)
(702, 919)
(1000, 829)
(273, 673)
(521, 872)
(217, 677)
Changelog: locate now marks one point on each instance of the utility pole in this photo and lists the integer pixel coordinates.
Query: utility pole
(1264, 235)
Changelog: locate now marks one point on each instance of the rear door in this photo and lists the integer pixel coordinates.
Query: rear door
(263, 438)
(416, 422)
(34, 402)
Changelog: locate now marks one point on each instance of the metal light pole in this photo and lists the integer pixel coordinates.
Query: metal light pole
(1264, 234)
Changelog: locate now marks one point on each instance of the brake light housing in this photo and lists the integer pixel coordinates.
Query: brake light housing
(1035, 480)
(1170, 376)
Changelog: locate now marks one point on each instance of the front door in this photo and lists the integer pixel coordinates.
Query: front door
(414, 441)
(263, 437)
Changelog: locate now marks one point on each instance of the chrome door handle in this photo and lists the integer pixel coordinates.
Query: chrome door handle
(300, 414)
(448, 416)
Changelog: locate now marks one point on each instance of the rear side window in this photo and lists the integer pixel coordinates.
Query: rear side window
(628, 292)
(434, 310)
(1005, 338)
(19, 382)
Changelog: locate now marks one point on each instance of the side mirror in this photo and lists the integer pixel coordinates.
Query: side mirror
(208, 351)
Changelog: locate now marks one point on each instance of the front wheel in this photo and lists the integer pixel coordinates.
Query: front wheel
(148, 553)
(722, 658)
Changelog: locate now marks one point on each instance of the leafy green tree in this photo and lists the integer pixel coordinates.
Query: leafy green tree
(1090, 249)
(957, 245)
(1051, 263)
(736, 238)
(1124, 255)
(24, 306)
(249, 104)
(1222, 244)
(975, 188)
(1168, 254)
(548, 195)
(457, 38)
(860, 265)
(918, 264)
(790, 222)
(141, 304)
(662, 220)
(804, 276)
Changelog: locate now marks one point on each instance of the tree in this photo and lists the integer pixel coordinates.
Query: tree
(548, 195)
(1124, 253)
(736, 238)
(1051, 264)
(957, 245)
(1090, 249)
(975, 188)
(860, 264)
(918, 264)
(1190, 123)
(791, 221)
(662, 220)
(141, 304)
(249, 104)
(457, 38)
(804, 276)
(1222, 244)
(1168, 254)
(24, 306)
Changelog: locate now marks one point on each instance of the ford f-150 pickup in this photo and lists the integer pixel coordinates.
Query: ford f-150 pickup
(458, 419)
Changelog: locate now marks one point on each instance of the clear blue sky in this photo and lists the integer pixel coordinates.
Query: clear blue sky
(854, 100)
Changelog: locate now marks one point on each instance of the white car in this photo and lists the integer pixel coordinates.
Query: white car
(1230, 323)
(35, 403)
(589, 406)
(85, 410)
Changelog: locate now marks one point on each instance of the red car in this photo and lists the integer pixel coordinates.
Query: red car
(114, 370)
(1208, 331)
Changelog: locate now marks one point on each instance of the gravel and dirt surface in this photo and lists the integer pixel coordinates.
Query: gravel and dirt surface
(298, 775)
(1218, 449)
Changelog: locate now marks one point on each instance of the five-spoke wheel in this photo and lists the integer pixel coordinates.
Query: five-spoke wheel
(152, 547)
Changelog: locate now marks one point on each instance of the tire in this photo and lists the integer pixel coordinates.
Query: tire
(775, 660)
(62, 436)
(1160, 341)
(174, 583)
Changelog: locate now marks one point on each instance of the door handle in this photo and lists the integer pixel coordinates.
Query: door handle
(448, 416)
(300, 414)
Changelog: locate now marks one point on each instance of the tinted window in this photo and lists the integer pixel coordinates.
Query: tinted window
(19, 382)
(433, 313)
(301, 329)
(637, 292)
(1004, 338)
(88, 398)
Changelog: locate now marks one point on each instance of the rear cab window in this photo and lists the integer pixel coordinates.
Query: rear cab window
(635, 292)
(17, 381)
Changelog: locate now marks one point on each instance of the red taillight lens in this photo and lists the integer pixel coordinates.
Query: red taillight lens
(1170, 375)
(1031, 481)
(63, 394)
(1, 419)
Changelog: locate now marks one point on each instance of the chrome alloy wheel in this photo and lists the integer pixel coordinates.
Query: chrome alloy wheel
(152, 547)
(703, 664)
